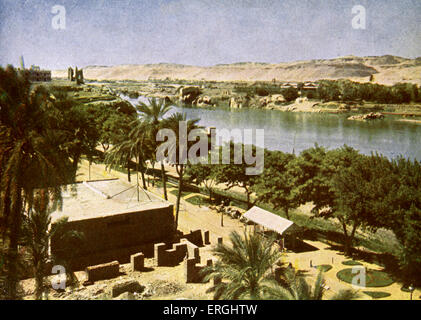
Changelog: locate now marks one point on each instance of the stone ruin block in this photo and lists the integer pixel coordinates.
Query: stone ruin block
(196, 255)
(193, 271)
(137, 261)
(195, 237)
(216, 280)
(193, 251)
(170, 257)
(159, 254)
(180, 251)
(189, 269)
(103, 271)
(206, 237)
(70, 74)
(198, 238)
(131, 286)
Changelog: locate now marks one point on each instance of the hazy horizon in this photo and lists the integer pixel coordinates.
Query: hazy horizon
(232, 63)
(204, 32)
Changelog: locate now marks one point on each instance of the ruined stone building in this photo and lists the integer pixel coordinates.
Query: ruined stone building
(39, 75)
(114, 223)
(75, 75)
(35, 74)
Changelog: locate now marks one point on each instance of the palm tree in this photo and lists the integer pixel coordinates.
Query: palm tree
(293, 286)
(155, 110)
(120, 155)
(32, 156)
(173, 123)
(153, 113)
(37, 235)
(142, 145)
(77, 128)
(136, 145)
(246, 266)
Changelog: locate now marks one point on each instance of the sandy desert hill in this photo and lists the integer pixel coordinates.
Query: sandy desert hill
(385, 69)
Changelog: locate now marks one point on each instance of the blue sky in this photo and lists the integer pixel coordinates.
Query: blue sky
(203, 32)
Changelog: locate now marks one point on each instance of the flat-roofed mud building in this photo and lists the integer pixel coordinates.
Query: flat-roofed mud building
(115, 224)
(37, 75)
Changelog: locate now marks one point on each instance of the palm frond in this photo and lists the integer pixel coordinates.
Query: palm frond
(245, 266)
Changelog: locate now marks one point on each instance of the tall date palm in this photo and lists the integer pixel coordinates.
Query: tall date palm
(31, 157)
(38, 231)
(173, 123)
(153, 113)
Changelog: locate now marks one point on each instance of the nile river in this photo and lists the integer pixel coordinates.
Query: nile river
(295, 131)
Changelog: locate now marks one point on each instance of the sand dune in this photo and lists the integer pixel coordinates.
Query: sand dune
(385, 69)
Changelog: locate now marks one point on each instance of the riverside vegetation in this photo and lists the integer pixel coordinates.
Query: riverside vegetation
(332, 96)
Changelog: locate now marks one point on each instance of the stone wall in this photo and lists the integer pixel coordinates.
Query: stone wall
(194, 271)
(198, 237)
(116, 237)
(103, 271)
(137, 262)
(192, 250)
(122, 255)
(169, 257)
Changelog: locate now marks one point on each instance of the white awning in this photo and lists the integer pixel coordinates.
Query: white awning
(268, 220)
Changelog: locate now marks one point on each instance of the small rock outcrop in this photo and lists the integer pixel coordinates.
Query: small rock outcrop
(368, 116)
(131, 286)
(203, 101)
(275, 99)
(239, 102)
(189, 94)
(301, 100)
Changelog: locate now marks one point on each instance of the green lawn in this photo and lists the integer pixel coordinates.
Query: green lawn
(377, 294)
(159, 184)
(198, 200)
(351, 263)
(324, 267)
(374, 278)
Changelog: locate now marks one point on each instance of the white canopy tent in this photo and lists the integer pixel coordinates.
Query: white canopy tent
(284, 227)
(268, 220)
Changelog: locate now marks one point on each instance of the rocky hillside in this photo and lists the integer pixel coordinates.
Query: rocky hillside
(385, 70)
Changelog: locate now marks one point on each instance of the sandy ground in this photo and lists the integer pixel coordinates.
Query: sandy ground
(168, 282)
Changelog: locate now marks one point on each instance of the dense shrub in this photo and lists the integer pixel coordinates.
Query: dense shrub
(346, 90)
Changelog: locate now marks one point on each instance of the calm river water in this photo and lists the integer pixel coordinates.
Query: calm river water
(290, 131)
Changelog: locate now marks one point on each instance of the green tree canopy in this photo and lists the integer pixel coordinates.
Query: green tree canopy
(235, 174)
(277, 183)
